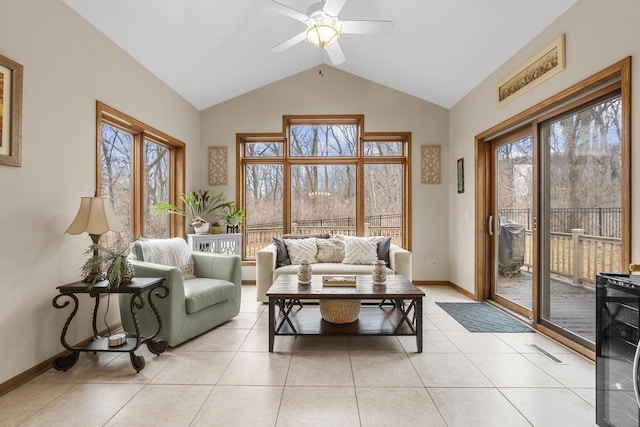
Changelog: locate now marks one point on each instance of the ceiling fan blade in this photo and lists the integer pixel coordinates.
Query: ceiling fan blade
(286, 10)
(290, 42)
(366, 27)
(333, 7)
(336, 55)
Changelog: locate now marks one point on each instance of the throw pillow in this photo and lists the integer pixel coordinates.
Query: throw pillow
(360, 251)
(301, 250)
(282, 257)
(383, 249)
(384, 243)
(173, 252)
(330, 250)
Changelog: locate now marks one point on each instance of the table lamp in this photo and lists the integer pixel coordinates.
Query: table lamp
(95, 216)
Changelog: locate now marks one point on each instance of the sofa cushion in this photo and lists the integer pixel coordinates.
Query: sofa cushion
(301, 250)
(202, 293)
(282, 255)
(360, 251)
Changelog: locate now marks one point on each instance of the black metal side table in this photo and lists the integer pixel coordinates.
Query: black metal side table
(152, 286)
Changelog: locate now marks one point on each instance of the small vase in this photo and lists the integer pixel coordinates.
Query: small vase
(304, 273)
(379, 273)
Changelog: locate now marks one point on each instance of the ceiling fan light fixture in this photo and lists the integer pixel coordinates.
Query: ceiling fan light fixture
(322, 34)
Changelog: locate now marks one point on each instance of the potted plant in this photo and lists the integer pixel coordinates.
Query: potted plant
(198, 205)
(215, 228)
(111, 262)
(234, 217)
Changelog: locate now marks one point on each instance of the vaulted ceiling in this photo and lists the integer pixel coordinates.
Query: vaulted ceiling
(210, 51)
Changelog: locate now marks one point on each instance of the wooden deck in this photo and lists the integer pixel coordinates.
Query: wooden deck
(573, 307)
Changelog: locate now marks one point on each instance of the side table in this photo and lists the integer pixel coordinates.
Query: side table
(153, 287)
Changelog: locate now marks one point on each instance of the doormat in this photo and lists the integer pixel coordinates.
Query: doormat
(481, 317)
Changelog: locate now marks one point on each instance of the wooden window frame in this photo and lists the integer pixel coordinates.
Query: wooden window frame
(359, 160)
(141, 132)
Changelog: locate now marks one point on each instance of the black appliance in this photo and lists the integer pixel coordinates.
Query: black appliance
(617, 351)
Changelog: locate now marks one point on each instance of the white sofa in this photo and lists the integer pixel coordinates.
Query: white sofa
(267, 272)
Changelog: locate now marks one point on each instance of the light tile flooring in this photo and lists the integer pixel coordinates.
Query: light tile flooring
(227, 377)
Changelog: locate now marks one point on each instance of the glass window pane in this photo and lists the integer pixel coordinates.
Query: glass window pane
(323, 199)
(383, 148)
(115, 157)
(264, 206)
(583, 157)
(383, 191)
(323, 140)
(264, 149)
(156, 189)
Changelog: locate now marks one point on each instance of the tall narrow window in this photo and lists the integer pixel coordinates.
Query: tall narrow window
(139, 166)
(324, 174)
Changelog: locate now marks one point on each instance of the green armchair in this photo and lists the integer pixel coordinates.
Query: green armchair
(194, 305)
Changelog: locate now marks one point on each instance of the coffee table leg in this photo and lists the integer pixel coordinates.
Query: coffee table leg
(271, 323)
(418, 312)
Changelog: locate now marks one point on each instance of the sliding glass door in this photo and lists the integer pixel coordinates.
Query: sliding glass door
(581, 212)
(512, 223)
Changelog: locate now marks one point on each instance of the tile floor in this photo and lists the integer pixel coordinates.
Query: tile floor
(227, 377)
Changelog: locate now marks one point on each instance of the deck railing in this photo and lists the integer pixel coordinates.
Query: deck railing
(258, 238)
(577, 256)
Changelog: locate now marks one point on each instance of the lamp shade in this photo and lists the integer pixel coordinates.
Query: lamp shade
(95, 216)
(322, 34)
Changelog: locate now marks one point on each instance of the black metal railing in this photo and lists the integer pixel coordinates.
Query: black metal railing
(603, 222)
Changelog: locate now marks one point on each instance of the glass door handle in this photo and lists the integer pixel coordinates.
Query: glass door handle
(490, 225)
(636, 360)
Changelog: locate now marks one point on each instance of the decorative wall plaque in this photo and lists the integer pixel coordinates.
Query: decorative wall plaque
(430, 164)
(217, 165)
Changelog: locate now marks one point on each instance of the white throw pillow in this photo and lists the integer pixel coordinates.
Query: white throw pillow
(330, 250)
(301, 250)
(360, 251)
(174, 252)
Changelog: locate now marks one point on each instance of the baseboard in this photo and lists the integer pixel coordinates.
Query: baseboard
(42, 367)
(249, 282)
(445, 283)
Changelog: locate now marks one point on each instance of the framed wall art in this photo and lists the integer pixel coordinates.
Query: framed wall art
(10, 112)
(430, 164)
(217, 165)
(544, 64)
(461, 175)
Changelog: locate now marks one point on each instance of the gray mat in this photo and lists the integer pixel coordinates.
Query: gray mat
(481, 317)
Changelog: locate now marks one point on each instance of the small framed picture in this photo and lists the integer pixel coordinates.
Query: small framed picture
(461, 175)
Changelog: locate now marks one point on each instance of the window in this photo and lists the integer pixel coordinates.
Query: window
(324, 174)
(138, 166)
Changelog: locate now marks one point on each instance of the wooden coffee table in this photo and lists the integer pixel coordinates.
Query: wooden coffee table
(401, 317)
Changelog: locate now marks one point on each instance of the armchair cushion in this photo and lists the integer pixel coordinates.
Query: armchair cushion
(202, 293)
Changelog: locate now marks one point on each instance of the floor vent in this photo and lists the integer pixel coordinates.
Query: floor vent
(547, 354)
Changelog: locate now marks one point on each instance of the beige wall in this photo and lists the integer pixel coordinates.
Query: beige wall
(598, 34)
(384, 109)
(68, 65)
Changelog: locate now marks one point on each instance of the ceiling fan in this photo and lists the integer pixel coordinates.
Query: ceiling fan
(324, 27)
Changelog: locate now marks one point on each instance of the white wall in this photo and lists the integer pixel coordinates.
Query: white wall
(68, 65)
(598, 34)
(384, 109)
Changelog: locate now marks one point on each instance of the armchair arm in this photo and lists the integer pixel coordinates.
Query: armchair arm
(172, 309)
(400, 261)
(265, 265)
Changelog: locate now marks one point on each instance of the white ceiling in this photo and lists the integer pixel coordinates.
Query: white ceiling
(213, 50)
